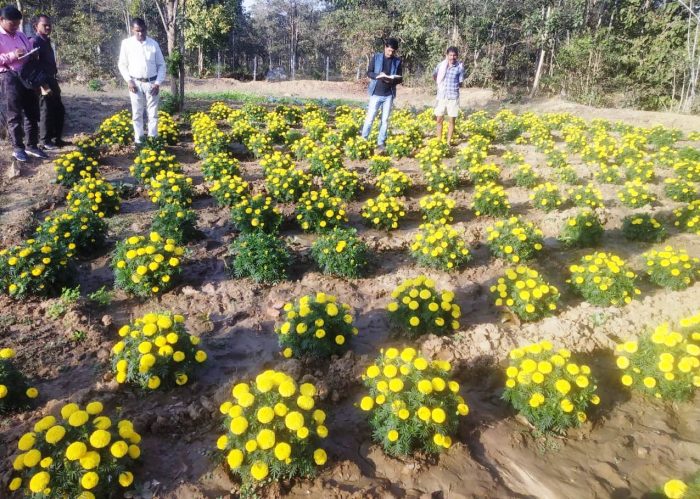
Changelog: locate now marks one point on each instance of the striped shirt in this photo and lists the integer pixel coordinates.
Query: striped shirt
(449, 87)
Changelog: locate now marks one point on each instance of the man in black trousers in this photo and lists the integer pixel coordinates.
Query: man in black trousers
(52, 110)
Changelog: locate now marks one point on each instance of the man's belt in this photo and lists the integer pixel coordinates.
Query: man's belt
(145, 80)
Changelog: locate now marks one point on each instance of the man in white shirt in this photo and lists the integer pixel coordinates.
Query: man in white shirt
(142, 66)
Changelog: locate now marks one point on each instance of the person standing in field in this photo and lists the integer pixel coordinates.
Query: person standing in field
(142, 66)
(52, 110)
(385, 72)
(20, 105)
(449, 76)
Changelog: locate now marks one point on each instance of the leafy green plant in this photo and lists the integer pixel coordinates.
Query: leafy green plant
(393, 182)
(261, 256)
(341, 253)
(643, 227)
(177, 221)
(102, 297)
(582, 231)
(437, 208)
(546, 197)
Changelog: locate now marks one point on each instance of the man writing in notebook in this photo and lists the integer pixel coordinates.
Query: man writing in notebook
(384, 72)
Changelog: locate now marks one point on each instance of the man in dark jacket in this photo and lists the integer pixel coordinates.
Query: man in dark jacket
(384, 72)
(52, 110)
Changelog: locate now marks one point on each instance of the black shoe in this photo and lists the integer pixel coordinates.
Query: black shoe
(62, 143)
(20, 155)
(48, 146)
(36, 152)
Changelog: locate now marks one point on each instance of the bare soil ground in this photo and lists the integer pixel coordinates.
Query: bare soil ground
(631, 446)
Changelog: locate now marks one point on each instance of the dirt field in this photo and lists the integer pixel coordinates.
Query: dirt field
(631, 446)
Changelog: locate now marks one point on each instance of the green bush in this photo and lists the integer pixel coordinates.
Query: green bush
(582, 231)
(262, 257)
(341, 253)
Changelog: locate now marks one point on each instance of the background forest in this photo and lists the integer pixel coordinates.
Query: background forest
(640, 53)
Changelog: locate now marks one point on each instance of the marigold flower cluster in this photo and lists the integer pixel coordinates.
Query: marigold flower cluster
(439, 246)
(73, 166)
(116, 129)
(150, 161)
(379, 164)
(383, 212)
(523, 291)
(437, 208)
(207, 137)
(287, 184)
(525, 176)
(687, 218)
(156, 350)
(546, 197)
(417, 308)
(317, 326)
(672, 268)
(549, 388)
(635, 194)
(586, 196)
(412, 402)
(393, 182)
(145, 266)
(342, 183)
(664, 363)
(603, 279)
(93, 194)
(325, 158)
(318, 211)
(167, 128)
(79, 454)
(272, 430)
(256, 213)
(490, 199)
(357, 148)
(36, 266)
(15, 392)
(514, 239)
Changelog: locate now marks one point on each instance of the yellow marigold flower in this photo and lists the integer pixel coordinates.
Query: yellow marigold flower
(675, 489)
(438, 415)
(320, 457)
(90, 460)
(75, 451)
(119, 449)
(126, 479)
(100, 439)
(367, 403)
(39, 482)
(259, 470)
(234, 459)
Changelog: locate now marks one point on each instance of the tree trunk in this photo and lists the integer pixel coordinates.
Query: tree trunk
(169, 14)
(543, 53)
(200, 60)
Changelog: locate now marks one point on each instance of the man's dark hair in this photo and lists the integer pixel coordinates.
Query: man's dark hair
(11, 13)
(391, 42)
(454, 50)
(137, 21)
(38, 18)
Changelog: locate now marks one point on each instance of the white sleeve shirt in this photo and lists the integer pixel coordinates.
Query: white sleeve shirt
(141, 60)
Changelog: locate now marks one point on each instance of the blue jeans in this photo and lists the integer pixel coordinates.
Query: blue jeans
(375, 102)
